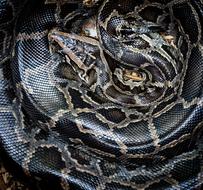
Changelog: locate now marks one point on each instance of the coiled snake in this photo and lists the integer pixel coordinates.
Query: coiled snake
(104, 94)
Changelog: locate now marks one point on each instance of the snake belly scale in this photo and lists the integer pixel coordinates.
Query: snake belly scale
(104, 94)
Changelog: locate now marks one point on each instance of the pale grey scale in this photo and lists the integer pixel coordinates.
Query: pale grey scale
(31, 85)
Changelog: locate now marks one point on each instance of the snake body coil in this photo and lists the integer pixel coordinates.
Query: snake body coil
(105, 95)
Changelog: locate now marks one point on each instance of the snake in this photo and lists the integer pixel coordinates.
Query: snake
(103, 94)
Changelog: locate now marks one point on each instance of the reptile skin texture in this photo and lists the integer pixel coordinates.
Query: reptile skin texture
(101, 94)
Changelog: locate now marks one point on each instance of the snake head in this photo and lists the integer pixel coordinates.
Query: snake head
(79, 52)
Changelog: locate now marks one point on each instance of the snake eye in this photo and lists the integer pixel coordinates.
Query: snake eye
(86, 32)
(170, 39)
(88, 3)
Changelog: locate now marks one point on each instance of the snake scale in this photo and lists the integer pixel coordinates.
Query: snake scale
(104, 94)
